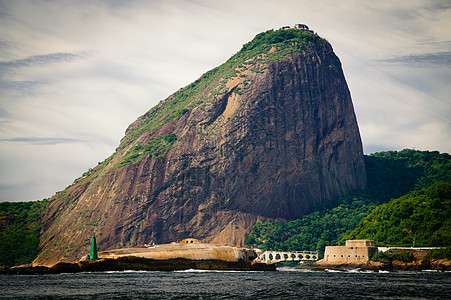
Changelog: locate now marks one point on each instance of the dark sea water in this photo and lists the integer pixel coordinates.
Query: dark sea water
(283, 284)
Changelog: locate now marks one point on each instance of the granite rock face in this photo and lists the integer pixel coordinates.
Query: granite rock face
(269, 134)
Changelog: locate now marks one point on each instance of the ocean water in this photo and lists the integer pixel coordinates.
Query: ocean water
(192, 284)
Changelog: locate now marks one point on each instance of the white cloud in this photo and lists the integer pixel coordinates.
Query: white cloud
(75, 74)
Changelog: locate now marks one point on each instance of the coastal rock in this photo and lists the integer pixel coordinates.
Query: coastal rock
(187, 254)
(419, 264)
(267, 135)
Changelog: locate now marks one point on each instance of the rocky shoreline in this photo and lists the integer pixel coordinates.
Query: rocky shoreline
(144, 264)
(137, 264)
(420, 265)
(184, 255)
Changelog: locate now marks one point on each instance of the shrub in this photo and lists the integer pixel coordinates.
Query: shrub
(442, 253)
(158, 146)
(402, 256)
(381, 257)
(389, 257)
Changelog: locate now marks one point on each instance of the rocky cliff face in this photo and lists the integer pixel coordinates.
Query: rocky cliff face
(268, 134)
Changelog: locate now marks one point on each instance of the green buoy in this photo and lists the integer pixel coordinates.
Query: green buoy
(93, 255)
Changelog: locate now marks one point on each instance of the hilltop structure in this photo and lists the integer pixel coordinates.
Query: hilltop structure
(302, 27)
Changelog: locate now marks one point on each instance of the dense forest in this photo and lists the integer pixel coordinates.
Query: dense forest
(20, 230)
(391, 175)
(408, 197)
(419, 218)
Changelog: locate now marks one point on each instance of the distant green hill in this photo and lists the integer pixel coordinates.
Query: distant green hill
(390, 174)
(20, 230)
(422, 216)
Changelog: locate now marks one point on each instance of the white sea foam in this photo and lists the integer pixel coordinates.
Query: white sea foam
(211, 271)
(124, 271)
(285, 269)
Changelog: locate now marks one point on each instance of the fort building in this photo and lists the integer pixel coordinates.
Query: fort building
(355, 251)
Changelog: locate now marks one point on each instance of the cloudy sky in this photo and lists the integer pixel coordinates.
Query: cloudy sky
(75, 74)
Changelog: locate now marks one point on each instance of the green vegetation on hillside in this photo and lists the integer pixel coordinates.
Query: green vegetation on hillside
(283, 39)
(313, 232)
(421, 216)
(441, 253)
(20, 231)
(390, 175)
(158, 146)
(212, 85)
(385, 257)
